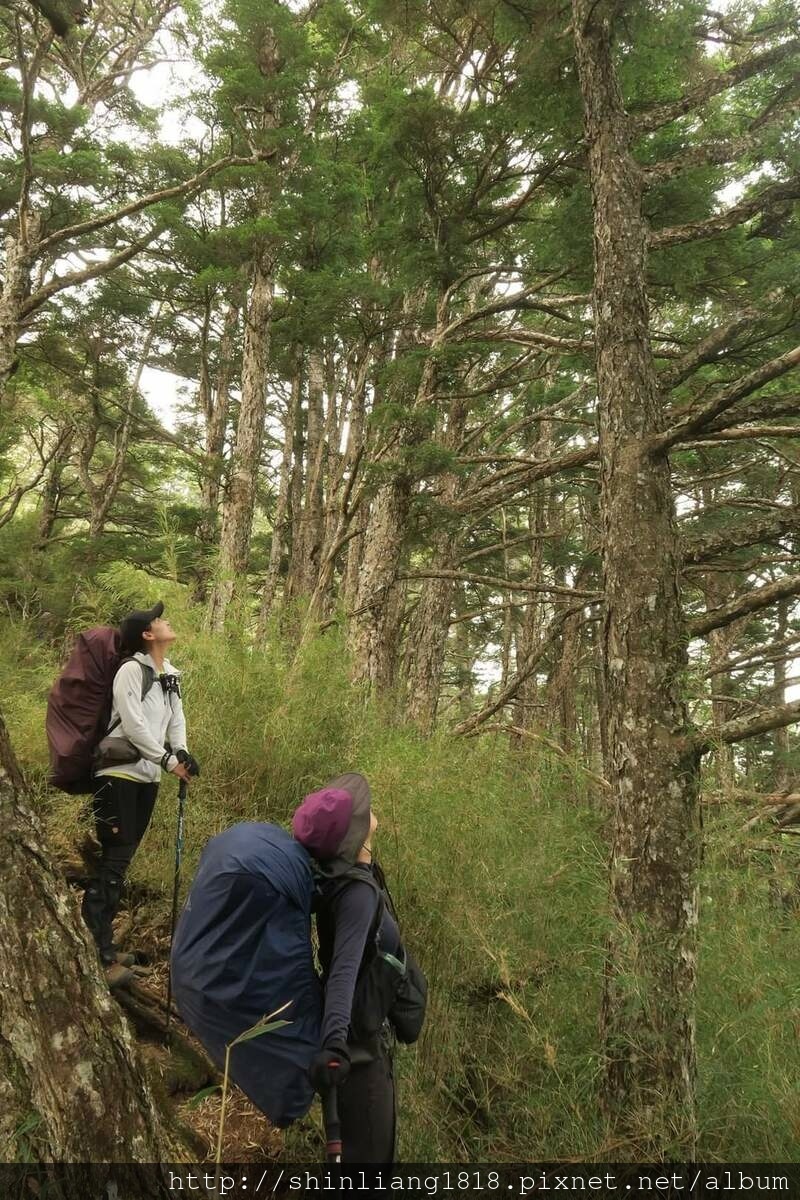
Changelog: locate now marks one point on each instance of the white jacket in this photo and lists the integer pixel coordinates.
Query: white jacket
(150, 723)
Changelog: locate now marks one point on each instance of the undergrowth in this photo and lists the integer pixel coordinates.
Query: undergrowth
(496, 861)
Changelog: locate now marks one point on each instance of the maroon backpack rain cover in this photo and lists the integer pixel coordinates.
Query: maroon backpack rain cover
(79, 708)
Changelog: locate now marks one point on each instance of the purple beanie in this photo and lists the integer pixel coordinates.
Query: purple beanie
(322, 820)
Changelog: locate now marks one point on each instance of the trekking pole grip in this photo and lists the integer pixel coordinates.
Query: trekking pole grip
(333, 1129)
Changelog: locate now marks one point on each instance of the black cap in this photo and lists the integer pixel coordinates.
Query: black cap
(133, 626)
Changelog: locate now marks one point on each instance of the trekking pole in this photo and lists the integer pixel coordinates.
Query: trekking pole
(333, 1129)
(175, 889)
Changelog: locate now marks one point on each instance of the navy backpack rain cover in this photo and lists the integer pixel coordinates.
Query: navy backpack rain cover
(242, 949)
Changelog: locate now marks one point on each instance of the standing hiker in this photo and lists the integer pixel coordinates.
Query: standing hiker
(146, 734)
(374, 991)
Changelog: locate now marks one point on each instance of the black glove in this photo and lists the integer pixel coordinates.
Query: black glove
(330, 1066)
(189, 761)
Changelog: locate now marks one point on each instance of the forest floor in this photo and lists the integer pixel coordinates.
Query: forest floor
(247, 1136)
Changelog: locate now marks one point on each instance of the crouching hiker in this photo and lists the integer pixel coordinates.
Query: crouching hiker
(146, 734)
(374, 990)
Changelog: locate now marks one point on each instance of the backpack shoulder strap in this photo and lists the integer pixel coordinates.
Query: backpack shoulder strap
(356, 876)
(148, 679)
(148, 675)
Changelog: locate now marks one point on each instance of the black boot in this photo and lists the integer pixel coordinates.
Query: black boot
(100, 903)
(112, 892)
(93, 910)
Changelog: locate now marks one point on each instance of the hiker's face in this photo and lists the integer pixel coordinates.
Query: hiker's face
(159, 633)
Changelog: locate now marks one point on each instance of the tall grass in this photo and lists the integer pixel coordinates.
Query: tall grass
(497, 864)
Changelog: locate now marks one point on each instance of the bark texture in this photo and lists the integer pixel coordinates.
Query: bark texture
(215, 402)
(69, 1069)
(237, 519)
(280, 530)
(16, 286)
(307, 548)
(647, 1018)
(372, 640)
(427, 644)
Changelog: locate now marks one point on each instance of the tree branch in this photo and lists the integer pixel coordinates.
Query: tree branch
(103, 267)
(524, 672)
(742, 606)
(709, 348)
(16, 496)
(716, 153)
(662, 114)
(760, 529)
(518, 731)
(725, 399)
(747, 727)
(695, 230)
(745, 433)
(135, 206)
(756, 656)
(528, 337)
(506, 585)
(496, 487)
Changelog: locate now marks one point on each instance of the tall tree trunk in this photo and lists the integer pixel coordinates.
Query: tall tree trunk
(280, 524)
(563, 683)
(239, 508)
(372, 631)
(307, 549)
(530, 630)
(541, 513)
(465, 660)
(215, 402)
(374, 634)
(718, 590)
(355, 550)
(16, 285)
(509, 613)
(67, 1058)
(648, 1008)
(427, 645)
(355, 547)
(296, 483)
(345, 501)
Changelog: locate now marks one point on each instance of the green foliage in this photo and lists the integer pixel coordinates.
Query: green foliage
(497, 865)
(265, 1025)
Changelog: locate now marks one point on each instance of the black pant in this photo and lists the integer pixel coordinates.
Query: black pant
(122, 810)
(367, 1110)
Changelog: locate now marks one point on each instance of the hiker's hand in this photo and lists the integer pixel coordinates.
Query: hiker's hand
(180, 770)
(189, 761)
(329, 1068)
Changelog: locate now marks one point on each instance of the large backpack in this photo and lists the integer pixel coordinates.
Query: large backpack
(242, 950)
(79, 707)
